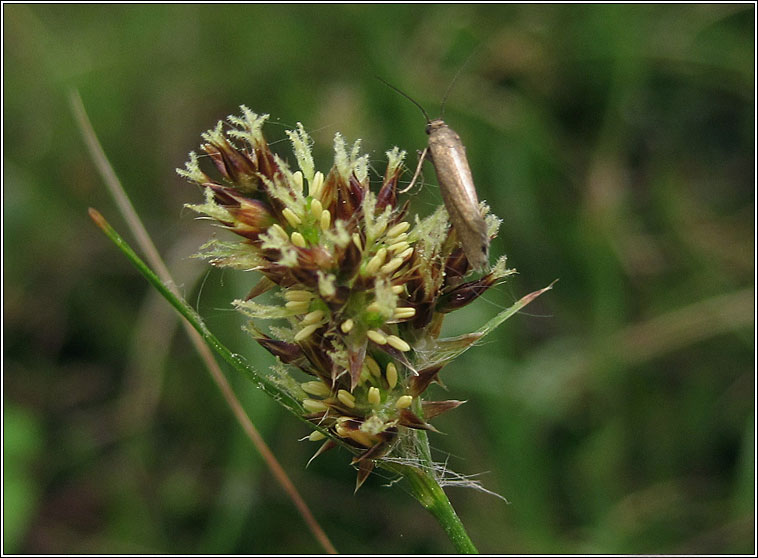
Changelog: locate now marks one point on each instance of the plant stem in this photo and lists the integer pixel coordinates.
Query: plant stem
(427, 490)
(430, 495)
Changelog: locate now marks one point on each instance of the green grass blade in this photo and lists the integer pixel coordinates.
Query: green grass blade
(189, 313)
(449, 348)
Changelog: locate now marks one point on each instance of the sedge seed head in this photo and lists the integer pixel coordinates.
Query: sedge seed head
(362, 285)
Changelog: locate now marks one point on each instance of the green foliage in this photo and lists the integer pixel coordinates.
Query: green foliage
(616, 142)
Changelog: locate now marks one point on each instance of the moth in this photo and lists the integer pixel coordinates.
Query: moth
(448, 156)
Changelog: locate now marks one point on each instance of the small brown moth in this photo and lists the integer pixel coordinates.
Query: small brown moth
(448, 155)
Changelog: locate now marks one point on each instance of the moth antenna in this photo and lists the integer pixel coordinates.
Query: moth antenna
(411, 99)
(455, 79)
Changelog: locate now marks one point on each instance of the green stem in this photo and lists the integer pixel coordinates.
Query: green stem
(430, 495)
(427, 490)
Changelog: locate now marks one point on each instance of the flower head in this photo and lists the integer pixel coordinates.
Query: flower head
(361, 287)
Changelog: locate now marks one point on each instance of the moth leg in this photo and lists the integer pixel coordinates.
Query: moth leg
(421, 158)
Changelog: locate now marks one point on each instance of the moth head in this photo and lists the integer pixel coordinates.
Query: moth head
(434, 125)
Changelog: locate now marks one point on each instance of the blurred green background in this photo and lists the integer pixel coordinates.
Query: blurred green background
(616, 142)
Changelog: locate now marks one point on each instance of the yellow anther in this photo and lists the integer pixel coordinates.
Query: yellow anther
(316, 184)
(376, 262)
(316, 436)
(376, 337)
(277, 229)
(374, 397)
(298, 239)
(403, 402)
(297, 178)
(292, 219)
(381, 228)
(361, 437)
(399, 344)
(398, 247)
(316, 208)
(312, 317)
(347, 398)
(405, 253)
(347, 325)
(314, 387)
(297, 306)
(391, 374)
(372, 366)
(401, 313)
(314, 406)
(298, 294)
(392, 265)
(399, 238)
(357, 241)
(342, 430)
(398, 229)
(325, 220)
(398, 289)
(306, 332)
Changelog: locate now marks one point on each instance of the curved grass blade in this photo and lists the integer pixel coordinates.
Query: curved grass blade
(447, 349)
(189, 313)
(237, 362)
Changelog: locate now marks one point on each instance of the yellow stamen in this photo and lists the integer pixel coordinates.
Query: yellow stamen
(298, 239)
(347, 398)
(316, 436)
(342, 430)
(316, 184)
(399, 344)
(398, 247)
(405, 253)
(376, 337)
(357, 241)
(316, 208)
(314, 406)
(376, 262)
(292, 219)
(314, 387)
(398, 289)
(403, 402)
(325, 220)
(277, 229)
(297, 306)
(297, 294)
(361, 437)
(391, 374)
(404, 312)
(347, 325)
(392, 265)
(312, 317)
(297, 178)
(374, 397)
(399, 229)
(372, 365)
(306, 332)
